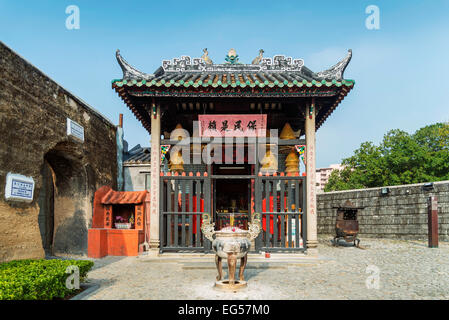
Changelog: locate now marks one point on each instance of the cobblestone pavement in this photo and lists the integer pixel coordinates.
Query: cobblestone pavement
(407, 270)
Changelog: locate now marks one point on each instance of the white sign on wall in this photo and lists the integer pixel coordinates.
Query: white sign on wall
(19, 187)
(75, 130)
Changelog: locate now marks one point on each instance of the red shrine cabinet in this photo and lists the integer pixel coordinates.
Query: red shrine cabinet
(118, 223)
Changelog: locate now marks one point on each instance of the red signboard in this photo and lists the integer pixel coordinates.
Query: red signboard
(232, 125)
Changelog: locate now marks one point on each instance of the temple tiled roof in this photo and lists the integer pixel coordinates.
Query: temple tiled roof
(138, 155)
(274, 78)
(231, 80)
(123, 197)
(278, 71)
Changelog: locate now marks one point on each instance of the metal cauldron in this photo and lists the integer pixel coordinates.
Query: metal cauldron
(231, 243)
(347, 224)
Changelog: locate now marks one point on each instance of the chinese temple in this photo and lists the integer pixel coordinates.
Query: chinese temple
(227, 139)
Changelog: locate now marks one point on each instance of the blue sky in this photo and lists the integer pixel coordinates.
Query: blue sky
(399, 70)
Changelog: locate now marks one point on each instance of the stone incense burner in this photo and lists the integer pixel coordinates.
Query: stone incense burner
(231, 243)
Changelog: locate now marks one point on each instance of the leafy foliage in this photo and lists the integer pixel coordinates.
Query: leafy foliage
(38, 279)
(401, 158)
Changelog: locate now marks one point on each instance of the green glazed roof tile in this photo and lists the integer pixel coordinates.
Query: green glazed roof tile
(251, 81)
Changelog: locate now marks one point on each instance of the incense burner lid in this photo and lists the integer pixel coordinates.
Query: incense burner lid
(231, 232)
(208, 229)
(231, 243)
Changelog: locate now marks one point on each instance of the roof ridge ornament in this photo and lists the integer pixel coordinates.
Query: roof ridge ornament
(129, 72)
(206, 58)
(232, 57)
(281, 63)
(258, 59)
(185, 64)
(278, 63)
(336, 72)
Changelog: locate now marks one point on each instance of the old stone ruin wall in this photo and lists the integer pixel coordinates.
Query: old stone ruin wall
(34, 143)
(402, 214)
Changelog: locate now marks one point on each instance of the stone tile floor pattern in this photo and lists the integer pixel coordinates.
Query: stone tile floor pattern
(408, 270)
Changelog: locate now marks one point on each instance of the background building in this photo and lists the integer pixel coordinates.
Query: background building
(137, 169)
(323, 174)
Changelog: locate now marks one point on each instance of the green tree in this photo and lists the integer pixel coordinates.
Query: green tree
(401, 158)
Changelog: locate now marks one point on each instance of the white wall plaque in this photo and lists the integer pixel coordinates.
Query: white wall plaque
(19, 187)
(74, 129)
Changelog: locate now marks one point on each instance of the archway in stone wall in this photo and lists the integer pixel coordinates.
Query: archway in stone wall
(65, 203)
(46, 208)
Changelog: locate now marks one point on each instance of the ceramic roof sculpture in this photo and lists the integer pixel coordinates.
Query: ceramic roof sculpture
(205, 57)
(258, 59)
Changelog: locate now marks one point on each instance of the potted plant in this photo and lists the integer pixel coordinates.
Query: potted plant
(121, 223)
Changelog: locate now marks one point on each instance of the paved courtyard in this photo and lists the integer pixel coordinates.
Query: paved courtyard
(404, 269)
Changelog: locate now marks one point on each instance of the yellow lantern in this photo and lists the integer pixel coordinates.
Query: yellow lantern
(269, 163)
(181, 134)
(287, 132)
(292, 162)
(176, 162)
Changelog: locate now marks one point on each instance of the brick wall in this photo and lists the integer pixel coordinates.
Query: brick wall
(33, 115)
(401, 214)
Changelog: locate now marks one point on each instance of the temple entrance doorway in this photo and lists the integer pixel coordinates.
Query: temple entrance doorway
(232, 196)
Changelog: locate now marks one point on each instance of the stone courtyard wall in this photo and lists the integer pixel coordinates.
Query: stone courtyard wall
(33, 116)
(402, 214)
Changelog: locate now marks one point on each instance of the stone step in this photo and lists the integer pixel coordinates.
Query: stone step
(198, 258)
(250, 265)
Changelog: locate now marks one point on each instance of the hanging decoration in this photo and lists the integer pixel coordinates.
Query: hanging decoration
(164, 150)
(287, 132)
(310, 111)
(292, 162)
(301, 150)
(176, 163)
(154, 111)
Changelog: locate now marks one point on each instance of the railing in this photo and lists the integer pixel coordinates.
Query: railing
(281, 201)
(183, 200)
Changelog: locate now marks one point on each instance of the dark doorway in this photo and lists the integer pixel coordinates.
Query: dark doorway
(232, 195)
(63, 201)
(46, 208)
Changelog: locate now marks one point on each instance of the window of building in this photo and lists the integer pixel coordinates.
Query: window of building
(147, 181)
